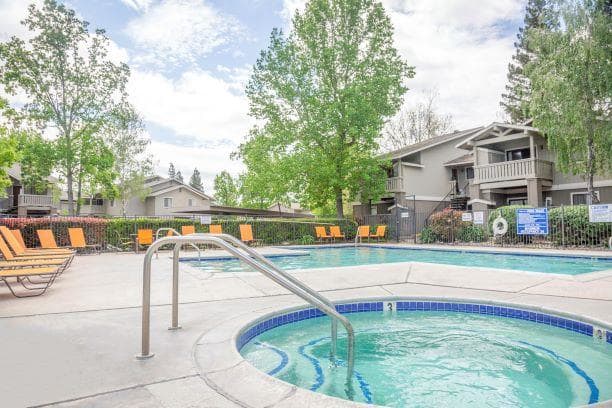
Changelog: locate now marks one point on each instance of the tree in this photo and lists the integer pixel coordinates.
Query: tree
(571, 84)
(321, 95)
(539, 15)
(417, 124)
(195, 180)
(179, 177)
(71, 84)
(226, 190)
(171, 171)
(132, 163)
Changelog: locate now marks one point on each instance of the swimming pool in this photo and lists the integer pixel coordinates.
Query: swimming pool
(428, 353)
(323, 257)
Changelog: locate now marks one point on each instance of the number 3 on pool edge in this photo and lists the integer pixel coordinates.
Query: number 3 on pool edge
(390, 307)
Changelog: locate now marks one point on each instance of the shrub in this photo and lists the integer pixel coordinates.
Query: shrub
(446, 224)
(509, 213)
(573, 223)
(428, 236)
(93, 228)
(307, 240)
(470, 233)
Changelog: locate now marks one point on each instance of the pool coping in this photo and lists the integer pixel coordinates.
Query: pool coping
(247, 372)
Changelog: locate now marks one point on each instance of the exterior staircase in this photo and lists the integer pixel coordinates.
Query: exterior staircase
(459, 203)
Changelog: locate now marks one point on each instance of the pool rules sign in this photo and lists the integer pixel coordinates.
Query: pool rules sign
(532, 221)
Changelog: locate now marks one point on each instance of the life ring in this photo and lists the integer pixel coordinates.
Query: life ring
(500, 226)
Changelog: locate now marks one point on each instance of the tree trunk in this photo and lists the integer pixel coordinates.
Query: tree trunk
(70, 192)
(591, 196)
(339, 204)
(78, 204)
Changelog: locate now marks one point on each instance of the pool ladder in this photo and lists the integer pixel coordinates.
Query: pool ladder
(175, 232)
(255, 260)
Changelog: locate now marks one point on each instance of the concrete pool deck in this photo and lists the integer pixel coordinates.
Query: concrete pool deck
(76, 345)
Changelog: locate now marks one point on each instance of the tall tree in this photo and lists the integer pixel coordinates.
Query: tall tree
(171, 171)
(417, 124)
(571, 82)
(70, 82)
(133, 165)
(321, 95)
(226, 190)
(195, 180)
(539, 15)
(179, 177)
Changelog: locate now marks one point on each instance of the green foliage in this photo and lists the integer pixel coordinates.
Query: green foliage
(307, 240)
(571, 82)
(321, 96)
(508, 212)
(446, 224)
(71, 85)
(93, 228)
(179, 176)
(171, 171)
(573, 222)
(227, 190)
(8, 154)
(37, 159)
(470, 233)
(539, 15)
(428, 236)
(196, 180)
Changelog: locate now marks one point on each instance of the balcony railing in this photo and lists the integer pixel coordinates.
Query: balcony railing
(35, 200)
(394, 185)
(513, 170)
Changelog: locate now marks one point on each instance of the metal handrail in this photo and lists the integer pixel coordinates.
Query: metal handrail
(291, 284)
(178, 234)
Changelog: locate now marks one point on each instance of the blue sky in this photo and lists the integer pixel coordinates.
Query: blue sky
(190, 60)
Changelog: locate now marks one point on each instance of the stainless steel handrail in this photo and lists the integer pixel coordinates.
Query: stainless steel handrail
(291, 284)
(178, 234)
(334, 322)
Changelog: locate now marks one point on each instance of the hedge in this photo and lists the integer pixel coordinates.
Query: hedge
(509, 213)
(571, 226)
(119, 232)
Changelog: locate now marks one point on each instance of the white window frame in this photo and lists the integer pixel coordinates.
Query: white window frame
(164, 202)
(582, 193)
(191, 202)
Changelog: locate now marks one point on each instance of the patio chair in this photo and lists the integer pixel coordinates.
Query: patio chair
(47, 239)
(335, 232)
(77, 240)
(22, 251)
(188, 229)
(322, 234)
(215, 229)
(23, 277)
(19, 237)
(144, 237)
(246, 234)
(363, 231)
(11, 261)
(381, 230)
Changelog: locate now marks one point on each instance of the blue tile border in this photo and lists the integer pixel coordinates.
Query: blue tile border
(421, 305)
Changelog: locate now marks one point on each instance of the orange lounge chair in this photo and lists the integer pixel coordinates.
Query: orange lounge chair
(188, 229)
(12, 261)
(77, 240)
(246, 234)
(19, 237)
(46, 275)
(215, 229)
(21, 251)
(47, 240)
(322, 234)
(381, 230)
(335, 232)
(363, 231)
(144, 237)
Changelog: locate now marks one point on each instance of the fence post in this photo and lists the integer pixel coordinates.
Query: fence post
(562, 226)
(397, 224)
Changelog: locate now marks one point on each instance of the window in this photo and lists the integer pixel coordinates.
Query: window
(167, 202)
(548, 202)
(97, 201)
(469, 173)
(581, 198)
(191, 202)
(518, 154)
(517, 201)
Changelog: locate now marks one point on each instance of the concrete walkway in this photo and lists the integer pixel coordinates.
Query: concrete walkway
(76, 345)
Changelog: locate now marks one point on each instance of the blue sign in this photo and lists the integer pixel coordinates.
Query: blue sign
(532, 221)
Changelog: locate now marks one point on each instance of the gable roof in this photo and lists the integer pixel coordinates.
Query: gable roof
(500, 129)
(465, 159)
(429, 143)
(176, 187)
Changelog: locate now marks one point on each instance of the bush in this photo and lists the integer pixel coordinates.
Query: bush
(573, 223)
(307, 240)
(93, 228)
(470, 233)
(428, 236)
(446, 224)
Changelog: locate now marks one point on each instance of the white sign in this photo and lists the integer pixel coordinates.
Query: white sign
(405, 215)
(600, 213)
(205, 219)
(466, 217)
(478, 217)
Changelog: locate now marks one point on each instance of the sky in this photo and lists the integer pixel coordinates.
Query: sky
(190, 61)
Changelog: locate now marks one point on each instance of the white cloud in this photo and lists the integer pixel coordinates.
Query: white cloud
(139, 5)
(180, 31)
(11, 14)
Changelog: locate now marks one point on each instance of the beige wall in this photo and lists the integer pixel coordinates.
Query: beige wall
(180, 202)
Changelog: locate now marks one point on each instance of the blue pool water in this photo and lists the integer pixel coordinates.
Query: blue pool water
(364, 255)
(445, 359)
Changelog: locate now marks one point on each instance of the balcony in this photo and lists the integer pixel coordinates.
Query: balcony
(35, 200)
(513, 170)
(394, 185)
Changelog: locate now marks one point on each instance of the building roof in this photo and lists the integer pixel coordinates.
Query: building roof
(429, 143)
(496, 129)
(15, 172)
(176, 187)
(465, 159)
